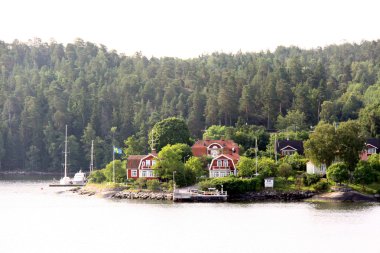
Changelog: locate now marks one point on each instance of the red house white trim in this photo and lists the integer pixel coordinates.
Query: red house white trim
(141, 166)
(222, 166)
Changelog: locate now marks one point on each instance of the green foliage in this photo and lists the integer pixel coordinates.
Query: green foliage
(294, 120)
(233, 185)
(140, 183)
(284, 170)
(197, 166)
(170, 164)
(170, 131)
(134, 146)
(298, 162)
(153, 185)
(322, 145)
(364, 173)
(309, 179)
(267, 167)
(45, 86)
(246, 167)
(215, 132)
(374, 162)
(338, 172)
(97, 176)
(120, 171)
(350, 142)
(321, 186)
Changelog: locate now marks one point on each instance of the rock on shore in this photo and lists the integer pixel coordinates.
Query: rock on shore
(344, 196)
(121, 193)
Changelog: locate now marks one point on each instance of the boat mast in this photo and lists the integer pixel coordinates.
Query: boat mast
(92, 156)
(66, 152)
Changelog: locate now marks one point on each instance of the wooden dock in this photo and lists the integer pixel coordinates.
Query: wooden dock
(200, 196)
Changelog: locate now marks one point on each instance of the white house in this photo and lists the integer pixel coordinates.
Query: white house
(311, 168)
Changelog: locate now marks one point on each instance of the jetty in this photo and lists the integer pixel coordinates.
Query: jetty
(193, 195)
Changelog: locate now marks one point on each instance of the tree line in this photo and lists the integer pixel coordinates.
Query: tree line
(44, 86)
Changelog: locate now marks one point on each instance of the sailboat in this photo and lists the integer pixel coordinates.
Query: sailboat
(79, 177)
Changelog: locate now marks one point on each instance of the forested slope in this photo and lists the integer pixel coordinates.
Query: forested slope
(44, 86)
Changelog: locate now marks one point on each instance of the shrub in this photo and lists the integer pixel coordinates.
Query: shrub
(321, 186)
(140, 183)
(364, 174)
(120, 172)
(338, 172)
(153, 185)
(309, 179)
(284, 170)
(233, 185)
(97, 177)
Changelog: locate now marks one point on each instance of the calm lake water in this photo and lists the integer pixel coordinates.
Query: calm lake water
(36, 218)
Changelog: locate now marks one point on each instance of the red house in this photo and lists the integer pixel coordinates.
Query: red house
(225, 154)
(371, 147)
(223, 165)
(141, 166)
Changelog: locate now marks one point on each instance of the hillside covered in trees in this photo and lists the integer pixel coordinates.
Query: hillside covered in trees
(44, 86)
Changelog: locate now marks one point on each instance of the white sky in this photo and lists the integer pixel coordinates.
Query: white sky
(188, 28)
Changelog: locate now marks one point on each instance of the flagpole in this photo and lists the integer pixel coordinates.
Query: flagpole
(113, 164)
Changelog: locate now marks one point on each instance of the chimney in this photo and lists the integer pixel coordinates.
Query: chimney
(154, 152)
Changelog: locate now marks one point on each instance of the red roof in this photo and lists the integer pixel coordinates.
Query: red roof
(133, 161)
(229, 147)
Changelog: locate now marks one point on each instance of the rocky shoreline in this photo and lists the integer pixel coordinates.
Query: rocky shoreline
(121, 193)
(262, 196)
(272, 195)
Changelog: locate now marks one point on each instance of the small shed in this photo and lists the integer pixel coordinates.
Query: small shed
(269, 182)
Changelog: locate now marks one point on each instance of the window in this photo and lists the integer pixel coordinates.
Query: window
(153, 162)
(134, 173)
(148, 163)
(225, 163)
(216, 174)
(371, 151)
(222, 174)
(219, 163)
(143, 173)
(150, 173)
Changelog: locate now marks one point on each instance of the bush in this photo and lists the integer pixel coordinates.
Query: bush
(309, 179)
(140, 183)
(321, 186)
(97, 176)
(284, 170)
(364, 174)
(153, 185)
(338, 172)
(120, 172)
(233, 185)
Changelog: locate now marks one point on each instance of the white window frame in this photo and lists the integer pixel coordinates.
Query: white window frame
(219, 163)
(143, 173)
(371, 151)
(225, 163)
(147, 163)
(134, 173)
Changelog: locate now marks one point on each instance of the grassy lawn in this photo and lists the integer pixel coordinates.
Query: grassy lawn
(368, 189)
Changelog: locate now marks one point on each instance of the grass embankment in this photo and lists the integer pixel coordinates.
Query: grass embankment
(373, 188)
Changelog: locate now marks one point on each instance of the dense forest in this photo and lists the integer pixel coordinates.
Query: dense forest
(44, 86)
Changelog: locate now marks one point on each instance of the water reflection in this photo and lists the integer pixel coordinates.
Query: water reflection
(344, 206)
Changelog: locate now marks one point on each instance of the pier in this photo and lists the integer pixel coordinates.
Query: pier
(212, 195)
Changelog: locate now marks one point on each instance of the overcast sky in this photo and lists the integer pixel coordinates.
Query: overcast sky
(188, 28)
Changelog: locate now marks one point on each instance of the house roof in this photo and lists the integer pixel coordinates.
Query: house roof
(234, 157)
(298, 145)
(200, 147)
(373, 142)
(133, 161)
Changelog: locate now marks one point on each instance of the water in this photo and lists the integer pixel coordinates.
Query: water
(36, 218)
